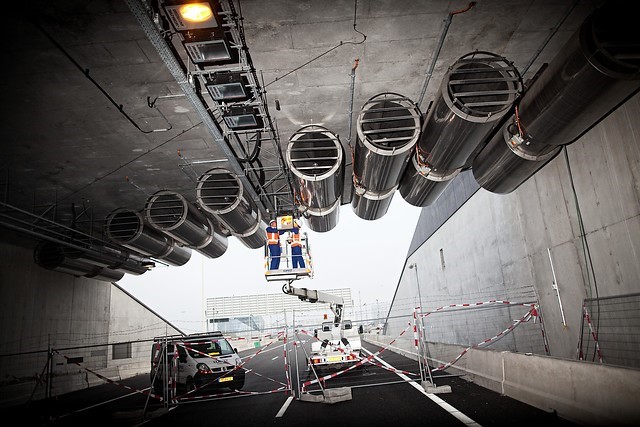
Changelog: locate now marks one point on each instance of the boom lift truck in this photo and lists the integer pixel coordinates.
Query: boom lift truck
(338, 344)
(338, 341)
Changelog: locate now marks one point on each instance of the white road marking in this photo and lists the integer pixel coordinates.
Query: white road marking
(284, 407)
(274, 358)
(447, 407)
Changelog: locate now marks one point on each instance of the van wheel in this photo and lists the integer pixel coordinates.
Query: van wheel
(237, 385)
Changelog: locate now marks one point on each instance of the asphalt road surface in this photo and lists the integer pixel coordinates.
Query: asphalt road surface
(384, 393)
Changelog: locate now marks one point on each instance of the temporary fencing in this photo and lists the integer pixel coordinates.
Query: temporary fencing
(447, 354)
(60, 369)
(610, 330)
(105, 379)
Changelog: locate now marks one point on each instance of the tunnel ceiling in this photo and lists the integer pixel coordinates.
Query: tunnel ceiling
(95, 119)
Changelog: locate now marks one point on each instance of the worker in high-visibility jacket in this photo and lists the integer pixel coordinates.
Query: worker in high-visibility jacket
(296, 246)
(273, 241)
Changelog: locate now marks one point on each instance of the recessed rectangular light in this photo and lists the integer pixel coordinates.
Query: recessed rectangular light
(240, 118)
(209, 46)
(228, 86)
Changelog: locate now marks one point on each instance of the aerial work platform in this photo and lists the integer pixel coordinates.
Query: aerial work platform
(286, 272)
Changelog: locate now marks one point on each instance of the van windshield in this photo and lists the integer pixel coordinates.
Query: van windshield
(210, 348)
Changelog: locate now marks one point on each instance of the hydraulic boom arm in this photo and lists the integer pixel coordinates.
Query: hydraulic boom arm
(336, 303)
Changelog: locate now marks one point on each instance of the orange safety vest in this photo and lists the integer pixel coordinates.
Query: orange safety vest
(295, 239)
(273, 238)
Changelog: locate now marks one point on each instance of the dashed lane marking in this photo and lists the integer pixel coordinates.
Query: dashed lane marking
(284, 407)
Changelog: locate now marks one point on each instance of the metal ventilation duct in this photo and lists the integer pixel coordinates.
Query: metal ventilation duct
(503, 164)
(372, 205)
(52, 257)
(101, 258)
(388, 127)
(220, 193)
(172, 214)
(316, 158)
(322, 219)
(127, 228)
(597, 70)
(478, 90)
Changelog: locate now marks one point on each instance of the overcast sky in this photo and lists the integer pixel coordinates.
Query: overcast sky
(366, 256)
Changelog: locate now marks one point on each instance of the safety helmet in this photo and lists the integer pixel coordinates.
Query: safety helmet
(273, 222)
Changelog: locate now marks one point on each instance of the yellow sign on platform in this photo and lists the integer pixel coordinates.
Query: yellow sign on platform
(285, 222)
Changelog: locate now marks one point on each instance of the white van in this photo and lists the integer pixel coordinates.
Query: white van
(205, 361)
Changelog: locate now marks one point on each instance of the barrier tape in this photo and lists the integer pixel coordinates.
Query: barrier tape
(394, 370)
(593, 333)
(475, 304)
(264, 376)
(487, 341)
(359, 363)
(277, 390)
(110, 381)
(232, 393)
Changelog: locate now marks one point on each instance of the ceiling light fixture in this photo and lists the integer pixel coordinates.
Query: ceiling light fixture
(197, 12)
(228, 86)
(189, 15)
(209, 47)
(241, 118)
